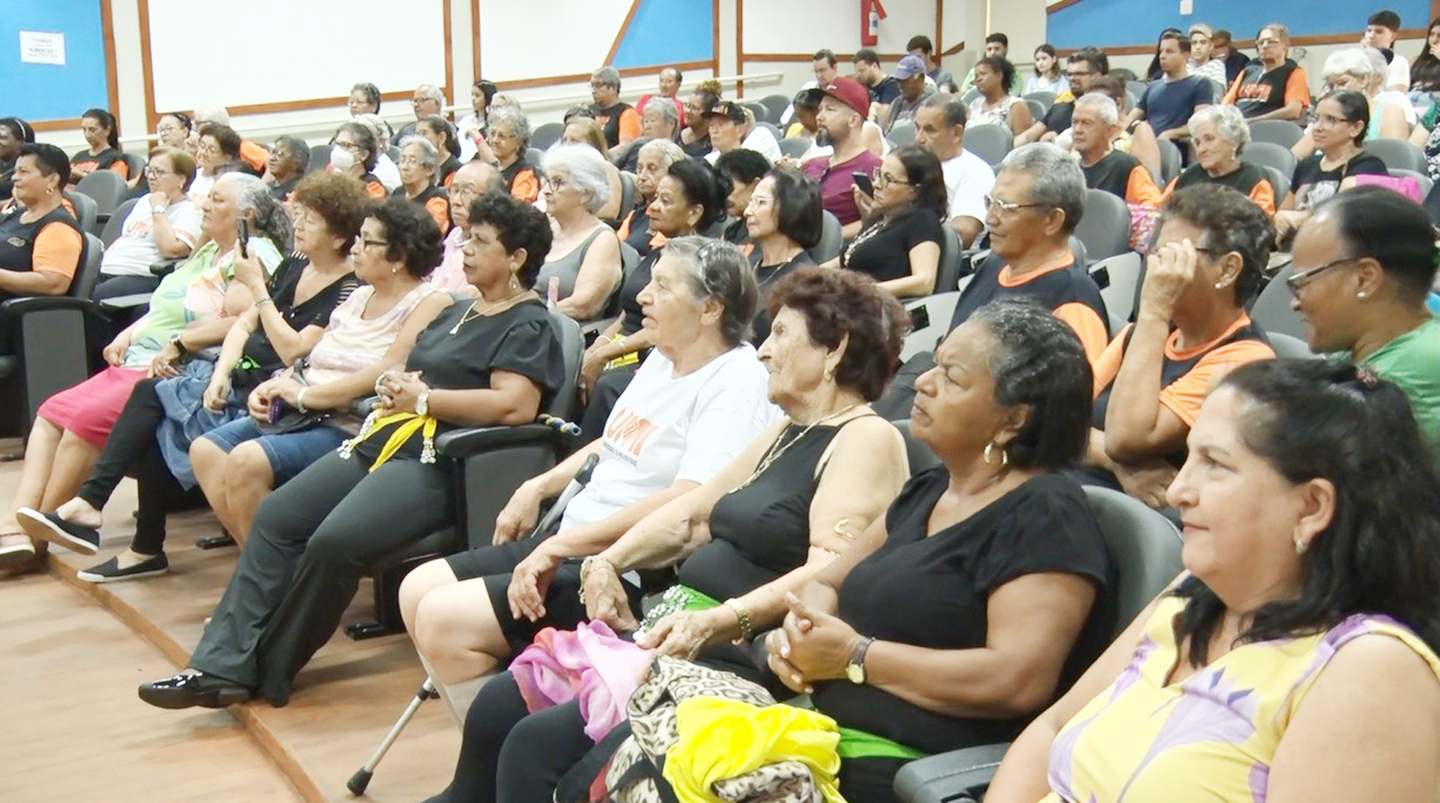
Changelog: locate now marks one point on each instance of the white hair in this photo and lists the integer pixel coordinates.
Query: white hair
(1104, 106)
(665, 107)
(668, 151)
(587, 172)
(1228, 121)
(212, 114)
(429, 155)
(1353, 61)
(432, 92)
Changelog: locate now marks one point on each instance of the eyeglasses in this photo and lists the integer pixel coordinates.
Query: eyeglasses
(883, 179)
(1330, 121)
(556, 184)
(349, 146)
(155, 173)
(1005, 206)
(408, 161)
(1297, 281)
(373, 243)
(496, 135)
(1266, 42)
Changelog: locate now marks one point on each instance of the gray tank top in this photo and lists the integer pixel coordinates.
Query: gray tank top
(566, 268)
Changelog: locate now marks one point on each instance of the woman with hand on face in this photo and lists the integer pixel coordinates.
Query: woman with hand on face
(239, 464)
(784, 220)
(777, 513)
(419, 169)
(1190, 328)
(584, 261)
(354, 152)
(163, 417)
(496, 361)
(1339, 133)
(651, 164)
(509, 141)
(103, 136)
(14, 132)
(1295, 659)
(899, 245)
(958, 615)
(192, 309)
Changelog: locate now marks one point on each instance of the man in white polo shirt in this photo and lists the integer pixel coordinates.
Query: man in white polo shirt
(940, 129)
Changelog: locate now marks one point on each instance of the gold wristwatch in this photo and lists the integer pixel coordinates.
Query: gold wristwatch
(855, 670)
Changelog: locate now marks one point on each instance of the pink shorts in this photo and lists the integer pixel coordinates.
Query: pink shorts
(91, 408)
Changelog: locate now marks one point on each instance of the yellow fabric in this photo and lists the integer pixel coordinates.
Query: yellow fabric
(1210, 737)
(722, 739)
(409, 423)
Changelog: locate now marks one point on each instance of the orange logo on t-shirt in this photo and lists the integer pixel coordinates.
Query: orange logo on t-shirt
(1256, 91)
(628, 431)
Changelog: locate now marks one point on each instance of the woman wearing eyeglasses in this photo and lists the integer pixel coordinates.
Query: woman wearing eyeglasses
(509, 140)
(354, 152)
(899, 245)
(165, 224)
(1341, 120)
(1364, 266)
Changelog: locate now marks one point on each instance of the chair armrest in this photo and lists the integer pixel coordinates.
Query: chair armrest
(462, 443)
(16, 307)
(125, 302)
(950, 777)
(166, 267)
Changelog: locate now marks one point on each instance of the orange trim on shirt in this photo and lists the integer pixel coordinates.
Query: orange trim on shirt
(439, 209)
(1264, 196)
(1087, 324)
(1140, 188)
(450, 179)
(1007, 277)
(1234, 91)
(1297, 88)
(525, 187)
(624, 230)
(629, 125)
(1107, 367)
(1174, 354)
(254, 154)
(1184, 396)
(376, 190)
(120, 168)
(57, 250)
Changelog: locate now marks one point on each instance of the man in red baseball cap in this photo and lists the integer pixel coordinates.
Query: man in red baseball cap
(842, 115)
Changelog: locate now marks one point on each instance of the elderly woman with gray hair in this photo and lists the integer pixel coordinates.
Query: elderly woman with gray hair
(583, 267)
(419, 173)
(1363, 69)
(654, 159)
(1219, 135)
(659, 121)
(509, 140)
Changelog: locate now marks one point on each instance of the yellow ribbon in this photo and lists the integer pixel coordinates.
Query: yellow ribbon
(409, 423)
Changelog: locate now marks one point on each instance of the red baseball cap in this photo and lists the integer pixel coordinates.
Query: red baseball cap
(849, 92)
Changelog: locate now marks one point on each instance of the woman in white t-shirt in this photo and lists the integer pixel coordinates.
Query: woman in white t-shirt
(697, 400)
(162, 225)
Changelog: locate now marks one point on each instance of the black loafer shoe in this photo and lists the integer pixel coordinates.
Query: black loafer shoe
(110, 571)
(189, 691)
(52, 528)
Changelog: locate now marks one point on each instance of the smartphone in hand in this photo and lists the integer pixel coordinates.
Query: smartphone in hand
(862, 180)
(242, 237)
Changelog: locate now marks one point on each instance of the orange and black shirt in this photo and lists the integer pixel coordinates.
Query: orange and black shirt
(1063, 287)
(621, 123)
(521, 181)
(84, 163)
(436, 203)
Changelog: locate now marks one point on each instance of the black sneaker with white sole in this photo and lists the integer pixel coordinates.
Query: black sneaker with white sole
(16, 554)
(52, 528)
(110, 571)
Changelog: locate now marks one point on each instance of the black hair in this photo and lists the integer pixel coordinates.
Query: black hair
(1177, 36)
(487, 91)
(742, 165)
(372, 94)
(224, 136)
(51, 160)
(1001, 65)
(921, 43)
(1425, 70)
(1391, 229)
(438, 123)
(107, 120)
(828, 55)
(866, 55)
(923, 171)
(365, 138)
(1153, 72)
(798, 213)
(702, 188)
(1229, 222)
(1093, 57)
(183, 119)
(998, 37)
(1039, 363)
(576, 111)
(1388, 19)
(1380, 553)
(1049, 50)
(1356, 109)
(410, 235)
(19, 129)
(518, 225)
(808, 99)
(299, 151)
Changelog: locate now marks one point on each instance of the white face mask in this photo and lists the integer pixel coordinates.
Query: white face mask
(341, 158)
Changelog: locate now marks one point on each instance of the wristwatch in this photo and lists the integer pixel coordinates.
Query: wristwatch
(855, 670)
(178, 344)
(422, 403)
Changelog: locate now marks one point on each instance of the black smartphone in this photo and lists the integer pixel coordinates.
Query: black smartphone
(242, 237)
(862, 180)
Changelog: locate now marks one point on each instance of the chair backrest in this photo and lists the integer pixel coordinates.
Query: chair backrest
(1272, 311)
(546, 135)
(989, 142)
(106, 187)
(572, 347)
(1046, 99)
(86, 213)
(902, 134)
(135, 162)
(1218, 89)
(627, 194)
(319, 159)
(1397, 154)
(1123, 274)
(758, 109)
(394, 153)
(1169, 161)
(1268, 154)
(947, 277)
(970, 96)
(831, 240)
(795, 147)
(1105, 226)
(919, 455)
(775, 106)
(536, 158)
(1123, 73)
(772, 128)
(1144, 546)
(1426, 184)
(88, 274)
(1037, 109)
(1290, 347)
(1276, 132)
(116, 223)
(1136, 88)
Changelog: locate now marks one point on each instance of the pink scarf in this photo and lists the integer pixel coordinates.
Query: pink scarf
(590, 662)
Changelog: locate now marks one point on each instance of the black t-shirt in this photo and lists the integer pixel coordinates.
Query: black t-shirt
(1058, 118)
(520, 340)
(697, 149)
(1242, 180)
(259, 359)
(932, 592)
(640, 235)
(1313, 185)
(282, 190)
(736, 231)
(447, 169)
(632, 316)
(767, 276)
(7, 179)
(886, 91)
(883, 249)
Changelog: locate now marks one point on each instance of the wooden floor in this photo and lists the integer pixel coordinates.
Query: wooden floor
(52, 632)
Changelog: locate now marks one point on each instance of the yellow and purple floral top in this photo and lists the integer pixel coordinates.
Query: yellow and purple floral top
(1209, 737)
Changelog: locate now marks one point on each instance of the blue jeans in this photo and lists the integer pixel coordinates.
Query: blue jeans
(289, 454)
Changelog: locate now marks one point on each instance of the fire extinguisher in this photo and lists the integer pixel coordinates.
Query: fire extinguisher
(871, 12)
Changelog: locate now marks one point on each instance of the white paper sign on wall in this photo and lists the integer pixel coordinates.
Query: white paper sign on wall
(37, 47)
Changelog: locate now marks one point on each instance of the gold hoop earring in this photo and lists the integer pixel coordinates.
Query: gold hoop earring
(989, 456)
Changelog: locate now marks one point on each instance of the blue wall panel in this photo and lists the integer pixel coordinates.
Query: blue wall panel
(668, 32)
(1117, 23)
(47, 91)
